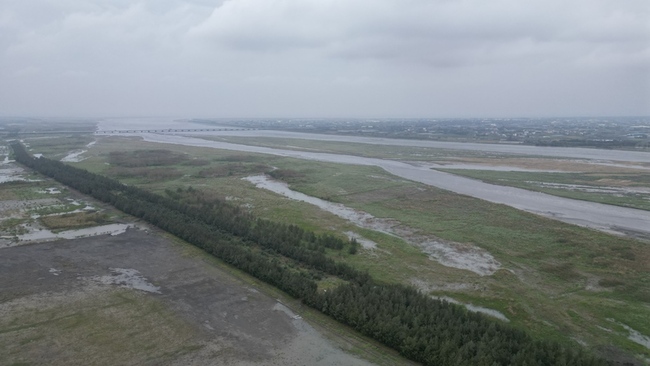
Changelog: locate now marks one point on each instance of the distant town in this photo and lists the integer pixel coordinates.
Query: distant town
(612, 132)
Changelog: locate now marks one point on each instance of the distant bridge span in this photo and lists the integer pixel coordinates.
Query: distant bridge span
(171, 130)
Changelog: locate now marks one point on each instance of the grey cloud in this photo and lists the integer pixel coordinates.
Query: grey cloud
(325, 57)
(406, 29)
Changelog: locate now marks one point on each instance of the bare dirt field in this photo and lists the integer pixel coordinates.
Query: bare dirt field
(140, 298)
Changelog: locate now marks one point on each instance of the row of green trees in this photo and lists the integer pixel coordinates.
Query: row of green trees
(423, 329)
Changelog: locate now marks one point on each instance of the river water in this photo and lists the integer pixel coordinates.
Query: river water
(515, 149)
(603, 217)
(601, 155)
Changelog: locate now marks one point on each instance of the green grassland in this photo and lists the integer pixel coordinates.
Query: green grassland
(558, 281)
(58, 146)
(89, 328)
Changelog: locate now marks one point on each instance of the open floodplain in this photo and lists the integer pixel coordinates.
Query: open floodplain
(556, 280)
(85, 284)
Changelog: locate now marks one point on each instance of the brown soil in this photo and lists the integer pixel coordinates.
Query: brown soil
(54, 311)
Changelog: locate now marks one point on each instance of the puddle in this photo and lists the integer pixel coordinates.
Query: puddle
(74, 156)
(52, 190)
(86, 207)
(27, 204)
(47, 235)
(10, 173)
(359, 218)
(365, 243)
(281, 307)
(126, 278)
(487, 311)
(311, 345)
(634, 335)
(456, 255)
(476, 309)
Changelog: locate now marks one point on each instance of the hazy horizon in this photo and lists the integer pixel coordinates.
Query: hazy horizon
(284, 118)
(325, 58)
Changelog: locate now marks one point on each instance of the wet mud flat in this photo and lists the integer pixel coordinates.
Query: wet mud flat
(140, 298)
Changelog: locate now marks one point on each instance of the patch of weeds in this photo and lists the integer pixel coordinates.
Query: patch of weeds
(151, 174)
(52, 209)
(74, 220)
(287, 175)
(145, 158)
(634, 291)
(197, 162)
(231, 169)
(329, 283)
(610, 282)
(627, 255)
(31, 339)
(13, 226)
(564, 271)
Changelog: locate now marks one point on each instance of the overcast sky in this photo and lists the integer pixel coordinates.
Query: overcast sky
(324, 58)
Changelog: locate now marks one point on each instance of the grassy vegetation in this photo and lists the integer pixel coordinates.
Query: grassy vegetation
(547, 183)
(558, 281)
(74, 220)
(42, 203)
(56, 146)
(98, 327)
(12, 227)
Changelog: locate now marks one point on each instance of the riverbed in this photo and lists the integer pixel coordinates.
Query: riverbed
(612, 219)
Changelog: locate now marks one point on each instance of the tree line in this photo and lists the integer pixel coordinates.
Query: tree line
(421, 328)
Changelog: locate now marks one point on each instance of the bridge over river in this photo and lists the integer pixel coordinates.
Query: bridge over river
(172, 130)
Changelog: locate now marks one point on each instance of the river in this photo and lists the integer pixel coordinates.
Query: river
(613, 219)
